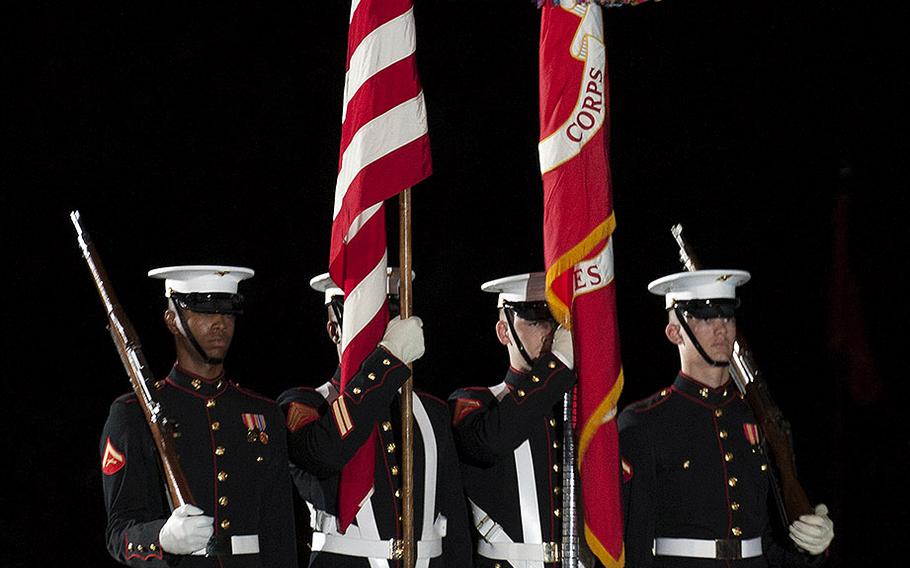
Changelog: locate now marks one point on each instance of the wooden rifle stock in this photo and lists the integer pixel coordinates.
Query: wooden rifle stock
(130, 350)
(775, 428)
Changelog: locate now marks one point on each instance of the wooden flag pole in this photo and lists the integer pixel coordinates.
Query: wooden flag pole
(407, 430)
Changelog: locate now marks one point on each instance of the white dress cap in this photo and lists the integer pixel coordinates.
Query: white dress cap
(324, 283)
(699, 285)
(201, 278)
(519, 288)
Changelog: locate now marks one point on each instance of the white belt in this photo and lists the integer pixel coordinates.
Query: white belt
(539, 552)
(365, 548)
(240, 544)
(724, 549)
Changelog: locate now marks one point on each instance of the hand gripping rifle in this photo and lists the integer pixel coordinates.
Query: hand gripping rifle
(791, 498)
(127, 343)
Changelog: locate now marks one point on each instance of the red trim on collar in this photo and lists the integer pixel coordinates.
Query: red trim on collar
(200, 377)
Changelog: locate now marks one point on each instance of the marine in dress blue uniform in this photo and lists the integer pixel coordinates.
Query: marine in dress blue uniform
(509, 435)
(326, 427)
(231, 443)
(696, 480)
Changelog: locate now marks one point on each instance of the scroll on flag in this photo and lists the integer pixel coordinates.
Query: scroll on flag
(385, 149)
(578, 250)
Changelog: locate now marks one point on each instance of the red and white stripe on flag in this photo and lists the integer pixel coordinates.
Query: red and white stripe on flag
(578, 249)
(385, 149)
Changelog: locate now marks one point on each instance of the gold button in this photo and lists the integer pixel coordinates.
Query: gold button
(210, 403)
(728, 457)
(732, 481)
(734, 505)
(552, 364)
(497, 565)
(219, 451)
(521, 393)
(225, 524)
(535, 379)
(152, 547)
(703, 392)
(386, 362)
(259, 458)
(557, 490)
(159, 385)
(736, 531)
(552, 422)
(555, 467)
(129, 546)
(386, 426)
(764, 467)
(216, 425)
(223, 501)
(394, 470)
(140, 548)
(718, 413)
(372, 376)
(357, 390)
(197, 384)
(555, 445)
(391, 447)
(397, 493)
(725, 392)
(556, 512)
(222, 475)
(663, 392)
(722, 434)
(686, 464)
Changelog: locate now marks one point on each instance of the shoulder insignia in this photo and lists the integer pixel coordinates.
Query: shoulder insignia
(299, 415)
(626, 471)
(751, 431)
(113, 460)
(342, 418)
(464, 407)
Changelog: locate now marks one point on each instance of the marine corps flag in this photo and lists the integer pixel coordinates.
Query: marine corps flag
(385, 149)
(578, 250)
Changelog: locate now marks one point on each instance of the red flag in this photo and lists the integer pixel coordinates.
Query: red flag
(385, 149)
(578, 250)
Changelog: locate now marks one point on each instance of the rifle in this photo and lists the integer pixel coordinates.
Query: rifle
(127, 343)
(791, 498)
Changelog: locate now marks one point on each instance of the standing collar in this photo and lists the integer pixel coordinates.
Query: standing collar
(711, 396)
(202, 386)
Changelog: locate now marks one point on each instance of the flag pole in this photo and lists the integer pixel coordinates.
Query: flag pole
(407, 430)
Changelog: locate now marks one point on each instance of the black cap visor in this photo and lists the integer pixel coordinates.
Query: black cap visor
(530, 311)
(708, 309)
(209, 303)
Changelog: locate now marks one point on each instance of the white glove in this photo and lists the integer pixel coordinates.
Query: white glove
(186, 531)
(813, 533)
(404, 338)
(562, 346)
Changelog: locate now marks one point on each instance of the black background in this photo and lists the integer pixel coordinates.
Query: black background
(210, 135)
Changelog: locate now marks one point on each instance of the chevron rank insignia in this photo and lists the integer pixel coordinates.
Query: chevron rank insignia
(113, 459)
(299, 415)
(752, 434)
(463, 408)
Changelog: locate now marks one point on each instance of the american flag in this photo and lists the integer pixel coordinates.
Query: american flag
(385, 149)
(578, 250)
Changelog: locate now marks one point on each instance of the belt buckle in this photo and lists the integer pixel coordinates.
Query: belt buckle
(728, 549)
(551, 552)
(396, 549)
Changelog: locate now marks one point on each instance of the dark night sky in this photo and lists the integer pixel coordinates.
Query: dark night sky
(191, 135)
